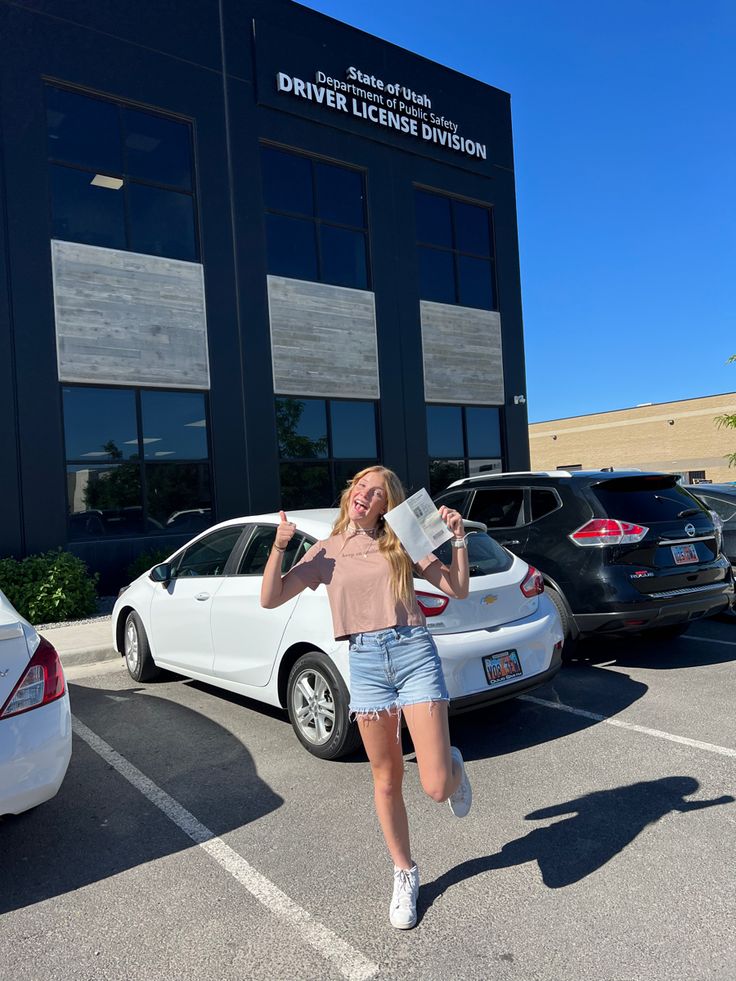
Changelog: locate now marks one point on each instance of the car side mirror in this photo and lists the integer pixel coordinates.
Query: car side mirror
(161, 573)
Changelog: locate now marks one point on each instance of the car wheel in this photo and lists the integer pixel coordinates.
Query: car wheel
(569, 643)
(318, 704)
(137, 650)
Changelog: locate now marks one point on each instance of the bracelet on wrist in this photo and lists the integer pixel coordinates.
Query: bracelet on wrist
(459, 542)
(277, 547)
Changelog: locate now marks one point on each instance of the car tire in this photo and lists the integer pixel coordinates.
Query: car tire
(569, 643)
(137, 650)
(318, 702)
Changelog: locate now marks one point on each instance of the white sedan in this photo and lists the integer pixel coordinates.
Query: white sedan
(199, 614)
(35, 719)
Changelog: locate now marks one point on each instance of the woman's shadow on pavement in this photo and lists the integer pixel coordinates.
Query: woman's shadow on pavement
(600, 825)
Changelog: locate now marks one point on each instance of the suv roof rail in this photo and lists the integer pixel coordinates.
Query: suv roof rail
(512, 473)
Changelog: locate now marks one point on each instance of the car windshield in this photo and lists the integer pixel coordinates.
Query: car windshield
(484, 555)
(646, 499)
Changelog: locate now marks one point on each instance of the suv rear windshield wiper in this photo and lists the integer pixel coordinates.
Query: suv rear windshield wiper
(688, 512)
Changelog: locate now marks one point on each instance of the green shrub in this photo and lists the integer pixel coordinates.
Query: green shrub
(50, 587)
(145, 560)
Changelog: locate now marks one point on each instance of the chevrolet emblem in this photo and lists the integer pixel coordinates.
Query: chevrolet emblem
(490, 598)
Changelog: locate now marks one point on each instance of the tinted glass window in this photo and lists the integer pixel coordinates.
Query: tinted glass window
(483, 466)
(208, 556)
(258, 549)
(176, 489)
(343, 257)
(436, 275)
(161, 222)
(104, 500)
(340, 195)
(157, 149)
(83, 130)
(174, 426)
(484, 555)
(305, 485)
(484, 431)
(444, 472)
(353, 429)
(644, 500)
(445, 430)
(84, 212)
(453, 499)
(100, 424)
(725, 509)
(287, 182)
(542, 502)
(472, 229)
(301, 425)
(475, 283)
(434, 224)
(498, 508)
(292, 249)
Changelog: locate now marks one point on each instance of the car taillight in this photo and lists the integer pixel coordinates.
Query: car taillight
(431, 604)
(718, 528)
(41, 683)
(532, 584)
(608, 531)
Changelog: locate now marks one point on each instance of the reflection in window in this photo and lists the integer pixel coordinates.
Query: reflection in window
(120, 177)
(84, 212)
(110, 489)
(462, 441)
(455, 251)
(341, 432)
(258, 549)
(316, 219)
(208, 556)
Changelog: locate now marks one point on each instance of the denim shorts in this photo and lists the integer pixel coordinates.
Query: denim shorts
(392, 668)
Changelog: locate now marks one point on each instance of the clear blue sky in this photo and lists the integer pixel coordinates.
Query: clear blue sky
(625, 143)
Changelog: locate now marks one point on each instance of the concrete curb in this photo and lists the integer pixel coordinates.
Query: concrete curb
(88, 655)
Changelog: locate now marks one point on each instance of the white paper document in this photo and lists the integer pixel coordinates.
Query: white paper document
(418, 525)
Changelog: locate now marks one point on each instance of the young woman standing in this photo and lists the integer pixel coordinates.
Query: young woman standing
(394, 664)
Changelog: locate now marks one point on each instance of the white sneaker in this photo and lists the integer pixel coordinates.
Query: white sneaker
(403, 910)
(461, 800)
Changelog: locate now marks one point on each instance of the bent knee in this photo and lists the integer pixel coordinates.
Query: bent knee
(438, 786)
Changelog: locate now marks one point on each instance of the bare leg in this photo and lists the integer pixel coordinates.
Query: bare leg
(387, 765)
(430, 734)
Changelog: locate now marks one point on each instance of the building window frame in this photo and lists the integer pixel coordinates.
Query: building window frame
(464, 461)
(317, 222)
(121, 106)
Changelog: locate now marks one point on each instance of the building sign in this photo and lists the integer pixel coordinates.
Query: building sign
(392, 105)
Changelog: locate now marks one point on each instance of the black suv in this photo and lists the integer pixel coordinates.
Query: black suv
(619, 550)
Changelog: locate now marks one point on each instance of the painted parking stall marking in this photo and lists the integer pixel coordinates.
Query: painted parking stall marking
(346, 959)
(694, 743)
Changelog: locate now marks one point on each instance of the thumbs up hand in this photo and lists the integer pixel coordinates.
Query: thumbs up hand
(285, 531)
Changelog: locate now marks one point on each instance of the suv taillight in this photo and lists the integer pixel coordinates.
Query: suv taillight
(431, 604)
(42, 682)
(532, 584)
(608, 531)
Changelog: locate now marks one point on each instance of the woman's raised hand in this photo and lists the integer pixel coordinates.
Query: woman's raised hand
(453, 520)
(285, 531)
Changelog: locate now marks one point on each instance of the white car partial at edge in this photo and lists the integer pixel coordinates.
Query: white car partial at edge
(199, 615)
(35, 718)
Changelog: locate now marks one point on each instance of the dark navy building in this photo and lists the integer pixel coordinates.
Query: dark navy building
(246, 249)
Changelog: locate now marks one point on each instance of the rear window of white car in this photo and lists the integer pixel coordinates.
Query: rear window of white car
(484, 555)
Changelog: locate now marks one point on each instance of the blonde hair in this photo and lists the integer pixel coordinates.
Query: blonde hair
(401, 577)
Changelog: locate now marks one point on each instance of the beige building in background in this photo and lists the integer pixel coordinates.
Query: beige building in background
(677, 437)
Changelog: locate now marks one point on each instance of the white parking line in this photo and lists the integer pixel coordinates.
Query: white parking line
(695, 743)
(346, 959)
(709, 640)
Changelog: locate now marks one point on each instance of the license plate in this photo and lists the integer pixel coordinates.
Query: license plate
(499, 667)
(684, 554)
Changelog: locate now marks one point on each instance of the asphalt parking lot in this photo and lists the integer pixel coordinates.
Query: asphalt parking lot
(194, 838)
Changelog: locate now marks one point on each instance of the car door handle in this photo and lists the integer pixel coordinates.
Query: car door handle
(202, 596)
(511, 541)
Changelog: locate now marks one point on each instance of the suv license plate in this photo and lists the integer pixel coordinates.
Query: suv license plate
(499, 667)
(684, 554)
